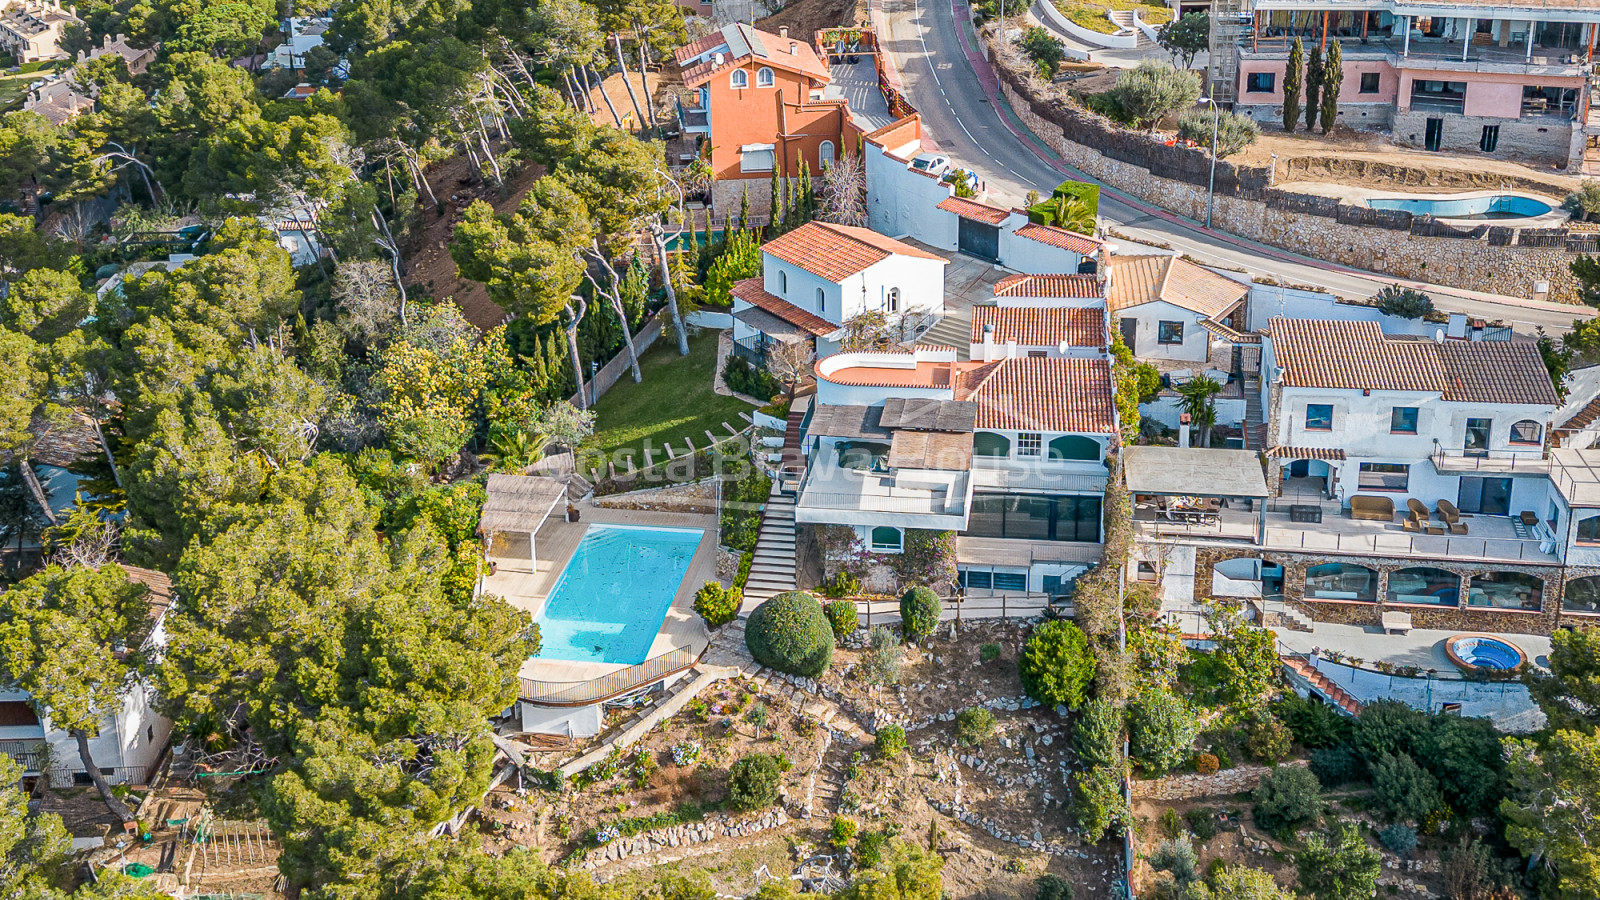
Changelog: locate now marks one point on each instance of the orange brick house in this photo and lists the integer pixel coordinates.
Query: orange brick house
(761, 108)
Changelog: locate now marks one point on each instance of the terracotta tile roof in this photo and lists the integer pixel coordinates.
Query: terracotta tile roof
(897, 133)
(1228, 334)
(1059, 237)
(1359, 356)
(746, 45)
(1069, 287)
(1322, 453)
(750, 291)
(971, 209)
(1041, 327)
(835, 252)
(1147, 279)
(1062, 394)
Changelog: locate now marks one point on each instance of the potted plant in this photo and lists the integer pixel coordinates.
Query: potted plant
(572, 513)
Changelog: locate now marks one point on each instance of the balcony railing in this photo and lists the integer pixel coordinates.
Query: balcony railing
(1533, 461)
(1404, 544)
(30, 755)
(607, 687)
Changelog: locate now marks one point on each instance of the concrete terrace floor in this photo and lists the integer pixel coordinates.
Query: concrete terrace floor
(968, 282)
(526, 587)
(857, 83)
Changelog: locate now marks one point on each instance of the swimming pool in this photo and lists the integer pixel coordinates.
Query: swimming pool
(614, 593)
(1495, 206)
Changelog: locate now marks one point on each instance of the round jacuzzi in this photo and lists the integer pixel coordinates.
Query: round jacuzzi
(1484, 653)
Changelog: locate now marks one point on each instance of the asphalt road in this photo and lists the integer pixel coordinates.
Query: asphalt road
(959, 111)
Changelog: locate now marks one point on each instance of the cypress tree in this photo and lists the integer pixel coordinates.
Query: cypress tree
(806, 200)
(691, 256)
(1314, 76)
(744, 212)
(1293, 78)
(791, 211)
(775, 210)
(1332, 77)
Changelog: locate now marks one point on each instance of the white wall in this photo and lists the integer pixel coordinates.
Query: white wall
(802, 287)
(1196, 346)
(580, 721)
(1267, 302)
(1361, 423)
(920, 281)
(1030, 257)
(900, 201)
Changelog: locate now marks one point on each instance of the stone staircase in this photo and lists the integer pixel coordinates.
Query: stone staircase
(1255, 426)
(772, 570)
(1123, 18)
(954, 330)
(1319, 683)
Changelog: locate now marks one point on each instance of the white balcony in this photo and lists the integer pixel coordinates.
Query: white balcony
(1491, 462)
(931, 499)
(1488, 538)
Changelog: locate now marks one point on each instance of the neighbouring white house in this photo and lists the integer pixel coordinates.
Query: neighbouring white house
(1163, 304)
(1041, 315)
(31, 30)
(131, 738)
(820, 275)
(1009, 454)
(1360, 412)
(301, 35)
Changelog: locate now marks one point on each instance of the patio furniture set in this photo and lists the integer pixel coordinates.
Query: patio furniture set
(1445, 518)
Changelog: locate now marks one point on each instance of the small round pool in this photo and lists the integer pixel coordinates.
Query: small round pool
(1487, 206)
(1482, 652)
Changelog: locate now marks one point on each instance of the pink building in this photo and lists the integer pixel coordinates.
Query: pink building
(1500, 78)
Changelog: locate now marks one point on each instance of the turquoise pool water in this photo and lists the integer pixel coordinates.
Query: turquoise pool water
(1502, 206)
(614, 593)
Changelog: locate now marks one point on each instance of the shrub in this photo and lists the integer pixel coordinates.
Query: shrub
(890, 741)
(1405, 302)
(1098, 737)
(988, 653)
(747, 379)
(1152, 89)
(1312, 724)
(842, 584)
(1052, 887)
(1343, 868)
(882, 663)
(1403, 789)
(1099, 803)
(842, 832)
(1401, 839)
(1056, 665)
(1161, 728)
(1234, 131)
(1206, 763)
(1044, 49)
(1584, 203)
(746, 560)
(1335, 766)
(1266, 739)
(717, 605)
(974, 726)
(842, 618)
(1287, 798)
(1171, 825)
(869, 848)
(753, 781)
(919, 612)
(1202, 823)
(791, 633)
(1177, 857)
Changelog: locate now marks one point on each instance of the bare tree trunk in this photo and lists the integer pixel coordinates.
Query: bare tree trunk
(616, 41)
(117, 807)
(422, 180)
(116, 474)
(388, 174)
(658, 238)
(582, 81)
(393, 250)
(615, 296)
(31, 479)
(483, 139)
(644, 85)
(572, 90)
(605, 96)
(574, 318)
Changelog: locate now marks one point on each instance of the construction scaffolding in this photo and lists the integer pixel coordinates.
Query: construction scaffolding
(1230, 22)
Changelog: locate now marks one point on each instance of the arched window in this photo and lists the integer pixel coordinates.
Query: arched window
(1582, 595)
(739, 80)
(763, 77)
(1589, 530)
(1073, 446)
(894, 299)
(987, 443)
(1424, 584)
(822, 301)
(886, 540)
(1341, 581)
(783, 282)
(825, 154)
(1525, 432)
(1505, 590)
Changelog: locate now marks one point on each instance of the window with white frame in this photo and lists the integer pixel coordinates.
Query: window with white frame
(739, 80)
(894, 299)
(1030, 443)
(756, 158)
(887, 540)
(825, 154)
(1525, 432)
(764, 77)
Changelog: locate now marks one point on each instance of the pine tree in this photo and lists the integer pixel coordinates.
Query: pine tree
(1332, 78)
(1314, 75)
(775, 210)
(1293, 79)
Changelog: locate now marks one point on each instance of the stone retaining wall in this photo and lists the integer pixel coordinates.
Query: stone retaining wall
(1222, 784)
(1458, 262)
(695, 497)
(686, 835)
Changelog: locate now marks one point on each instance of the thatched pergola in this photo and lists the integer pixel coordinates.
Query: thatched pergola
(519, 504)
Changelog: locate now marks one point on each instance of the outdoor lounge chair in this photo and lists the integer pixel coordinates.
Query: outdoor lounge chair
(1414, 522)
(1451, 517)
(1418, 509)
(1529, 518)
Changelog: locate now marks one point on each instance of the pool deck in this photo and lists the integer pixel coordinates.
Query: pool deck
(526, 587)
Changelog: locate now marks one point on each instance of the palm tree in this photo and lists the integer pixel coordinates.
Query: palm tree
(1198, 401)
(513, 449)
(1072, 214)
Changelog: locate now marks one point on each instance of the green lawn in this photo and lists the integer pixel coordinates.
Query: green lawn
(675, 401)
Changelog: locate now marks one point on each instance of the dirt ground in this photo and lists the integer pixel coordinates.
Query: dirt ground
(618, 92)
(806, 17)
(1016, 780)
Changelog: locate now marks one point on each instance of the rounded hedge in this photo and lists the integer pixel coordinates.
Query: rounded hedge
(1056, 665)
(890, 741)
(919, 612)
(843, 617)
(791, 633)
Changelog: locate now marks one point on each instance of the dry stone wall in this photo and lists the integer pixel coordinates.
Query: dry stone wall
(1221, 784)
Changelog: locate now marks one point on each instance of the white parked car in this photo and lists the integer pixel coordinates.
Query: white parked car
(932, 163)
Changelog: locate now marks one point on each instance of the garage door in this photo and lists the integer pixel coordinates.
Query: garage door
(978, 239)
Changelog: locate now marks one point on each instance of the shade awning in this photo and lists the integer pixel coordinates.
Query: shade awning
(847, 422)
(1193, 471)
(927, 414)
(772, 326)
(519, 504)
(1322, 453)
(930, 450)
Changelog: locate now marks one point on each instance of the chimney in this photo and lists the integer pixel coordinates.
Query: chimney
(1183, 430)
(783, 31)
(988, 342)
(1011, 349)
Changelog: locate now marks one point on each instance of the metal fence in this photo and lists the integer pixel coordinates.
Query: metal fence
(1003, 605)
(607, 687)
